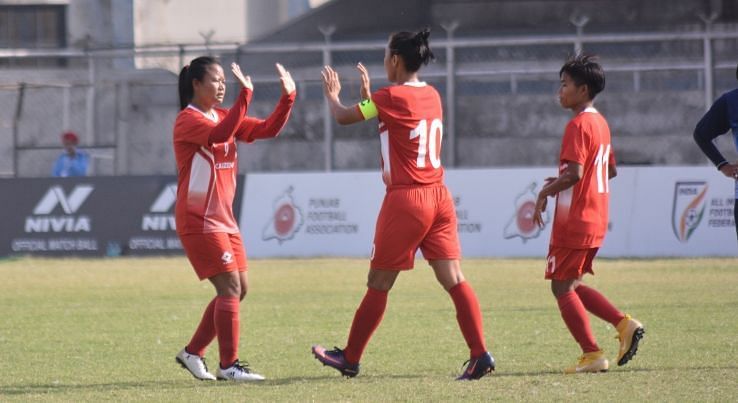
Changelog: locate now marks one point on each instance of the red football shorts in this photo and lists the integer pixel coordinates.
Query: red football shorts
(415, 217)
(214, 253)
(569, 264)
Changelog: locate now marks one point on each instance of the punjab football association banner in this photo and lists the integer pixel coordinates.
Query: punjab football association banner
(495, 208)
(334, 214)
(310, 214)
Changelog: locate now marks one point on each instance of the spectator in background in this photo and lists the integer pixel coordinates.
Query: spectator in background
(722, 117)
(72, 162)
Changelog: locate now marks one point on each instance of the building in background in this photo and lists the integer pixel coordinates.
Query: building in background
(114, 24)
(500, 62)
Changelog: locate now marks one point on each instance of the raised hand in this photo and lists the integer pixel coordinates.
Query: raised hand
(288, 84)
(366, 89)
(331, 83)
(245, 81)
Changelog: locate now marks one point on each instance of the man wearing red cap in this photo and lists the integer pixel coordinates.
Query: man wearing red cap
(72, 162)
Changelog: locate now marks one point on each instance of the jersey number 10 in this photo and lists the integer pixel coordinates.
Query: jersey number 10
(427, 143)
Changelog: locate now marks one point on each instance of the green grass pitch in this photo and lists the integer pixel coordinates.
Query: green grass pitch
(99, 329)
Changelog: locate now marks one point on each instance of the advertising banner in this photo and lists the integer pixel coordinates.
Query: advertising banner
(672, 211)
(96, 216)
(654, 212)
(310, 214)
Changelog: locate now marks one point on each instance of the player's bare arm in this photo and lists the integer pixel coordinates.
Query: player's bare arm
(571, 175)
(288, 84)
(245, 81)
(730, 170)
(332, 88)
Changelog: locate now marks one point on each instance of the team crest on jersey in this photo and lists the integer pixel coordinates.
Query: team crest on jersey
(521, 223)
(286, 220)
(688, 208)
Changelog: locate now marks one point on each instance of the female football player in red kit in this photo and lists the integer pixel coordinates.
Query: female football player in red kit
(582, 191)
(418, 210)
(205, 148)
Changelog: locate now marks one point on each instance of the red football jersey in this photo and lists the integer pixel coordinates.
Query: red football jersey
(206, 180)
(581, 214)
(410, 131)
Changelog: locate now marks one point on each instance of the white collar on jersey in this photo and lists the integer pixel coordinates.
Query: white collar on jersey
(590, 109)
(415, 83)
(213, 116)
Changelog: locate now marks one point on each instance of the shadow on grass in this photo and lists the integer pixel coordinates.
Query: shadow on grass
(617, 370)
(61, 387)
(302, 379)
(18, 390)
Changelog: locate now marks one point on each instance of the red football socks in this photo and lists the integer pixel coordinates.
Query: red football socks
(205, 332)
(227, 328)
(366, 320)
(599, 305)
(576, 319)
(469, 317)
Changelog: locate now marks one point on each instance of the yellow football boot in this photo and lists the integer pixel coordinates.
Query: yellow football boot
(590, 362)
(630, 333)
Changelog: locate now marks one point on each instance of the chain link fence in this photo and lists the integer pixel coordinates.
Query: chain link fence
(499, 101)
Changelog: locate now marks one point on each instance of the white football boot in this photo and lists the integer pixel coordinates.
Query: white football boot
(195, 364)
(238, 372)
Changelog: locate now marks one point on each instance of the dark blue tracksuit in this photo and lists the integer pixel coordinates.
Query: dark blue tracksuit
(722, 116)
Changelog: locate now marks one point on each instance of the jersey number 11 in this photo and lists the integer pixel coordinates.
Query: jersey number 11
(602, 166)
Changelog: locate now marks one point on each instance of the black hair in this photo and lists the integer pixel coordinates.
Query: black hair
(736, 72)
(412, 47)
(194, 71)
(584, 69)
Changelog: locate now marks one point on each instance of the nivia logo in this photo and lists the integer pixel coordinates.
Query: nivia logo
(161, 218)
(55, 197)
(43, 221)
(165, 200)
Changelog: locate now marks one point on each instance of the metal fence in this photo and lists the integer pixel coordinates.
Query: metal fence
(498, 92)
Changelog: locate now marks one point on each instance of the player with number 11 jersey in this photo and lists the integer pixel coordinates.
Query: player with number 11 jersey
(580, 221)
(586, 164)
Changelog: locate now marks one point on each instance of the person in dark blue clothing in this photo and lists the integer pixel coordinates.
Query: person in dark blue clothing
(72, 162)
(722, 116)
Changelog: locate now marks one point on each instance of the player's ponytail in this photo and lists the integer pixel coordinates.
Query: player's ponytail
(196, 70)
(413, 48)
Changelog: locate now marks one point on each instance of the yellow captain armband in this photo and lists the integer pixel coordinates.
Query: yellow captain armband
(368, 109)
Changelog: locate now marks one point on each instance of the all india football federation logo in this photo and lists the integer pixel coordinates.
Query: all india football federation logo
(286, 220)
(521, 223)
(688, 208)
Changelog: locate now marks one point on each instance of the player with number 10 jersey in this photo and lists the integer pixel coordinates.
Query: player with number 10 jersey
(418, 211)
(410, 132)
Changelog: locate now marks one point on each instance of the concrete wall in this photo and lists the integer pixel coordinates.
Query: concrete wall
(649, 127)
